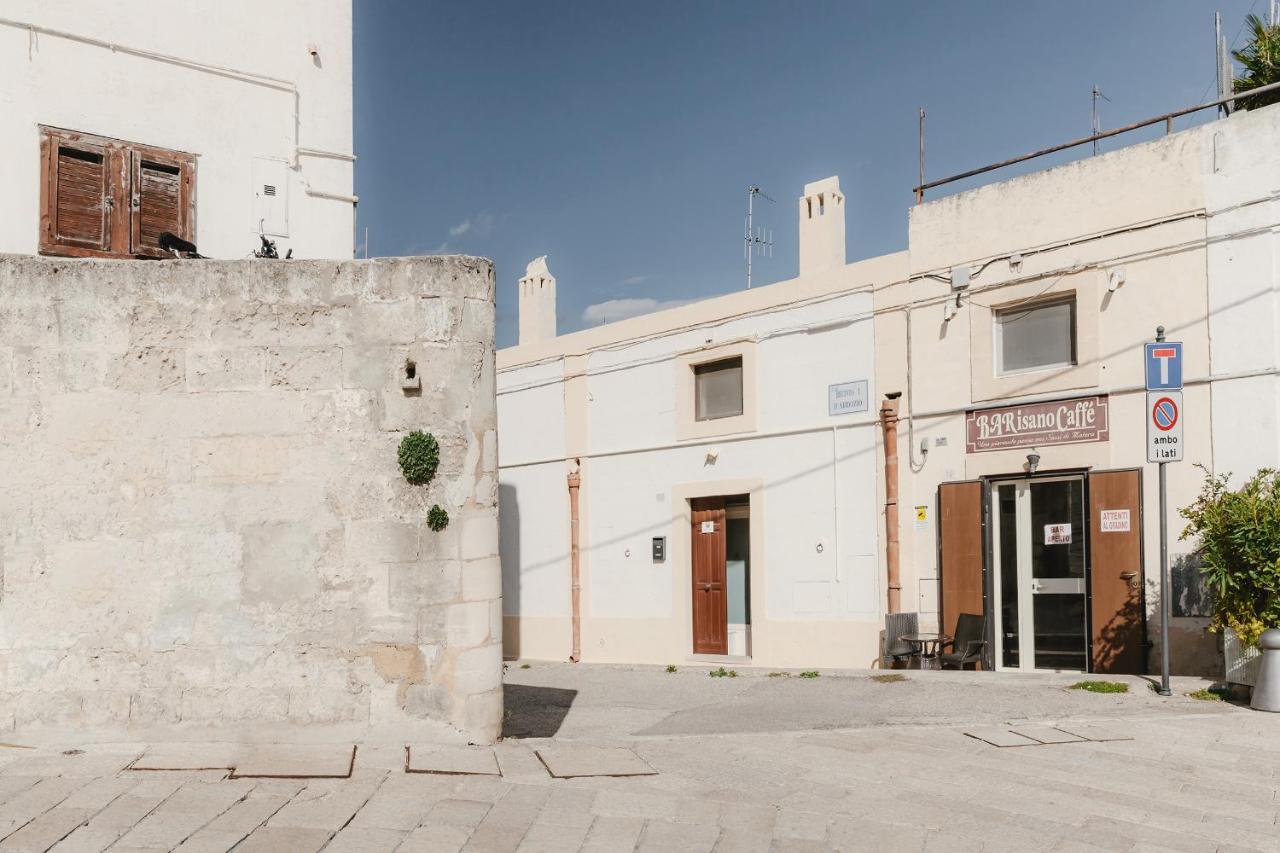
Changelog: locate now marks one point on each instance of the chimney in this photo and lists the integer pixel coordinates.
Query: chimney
(821, 226)
(537, 303)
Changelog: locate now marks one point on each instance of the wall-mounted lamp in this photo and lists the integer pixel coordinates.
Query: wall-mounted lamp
(950, 309)
(1115, 278)
(1033, 461)
(712, 457)
(1015, 262)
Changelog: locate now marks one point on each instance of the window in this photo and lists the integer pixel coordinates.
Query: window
(718, 389)
(1034, 337)
(106, 198)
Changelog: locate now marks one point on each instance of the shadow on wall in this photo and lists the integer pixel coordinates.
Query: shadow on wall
(509, 554)
(530, 711)
(1190, 595)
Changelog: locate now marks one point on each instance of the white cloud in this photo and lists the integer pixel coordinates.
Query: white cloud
(480, 225)
(635, 279)
(620, 309)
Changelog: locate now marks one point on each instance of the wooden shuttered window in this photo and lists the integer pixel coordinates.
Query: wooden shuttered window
(106, 198)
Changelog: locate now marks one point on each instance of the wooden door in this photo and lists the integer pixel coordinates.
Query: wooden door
(960, 552)
(1115, 572)
(710, 600)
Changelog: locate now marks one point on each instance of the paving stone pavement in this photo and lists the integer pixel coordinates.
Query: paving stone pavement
(1195, 777)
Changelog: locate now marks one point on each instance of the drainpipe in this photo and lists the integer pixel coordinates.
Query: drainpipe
(575, 577)
(889, 420)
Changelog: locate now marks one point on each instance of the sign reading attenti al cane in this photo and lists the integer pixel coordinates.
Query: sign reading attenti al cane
(1076, 421)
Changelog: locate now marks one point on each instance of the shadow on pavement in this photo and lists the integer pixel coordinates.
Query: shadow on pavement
(531, 711)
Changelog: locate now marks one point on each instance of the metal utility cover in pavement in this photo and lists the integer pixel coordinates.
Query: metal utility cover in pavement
(296, 762)
(567, 762)
(451, 761)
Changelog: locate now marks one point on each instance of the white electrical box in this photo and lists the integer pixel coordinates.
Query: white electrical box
(270, 197)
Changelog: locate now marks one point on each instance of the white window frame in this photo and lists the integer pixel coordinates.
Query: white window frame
(997, 351)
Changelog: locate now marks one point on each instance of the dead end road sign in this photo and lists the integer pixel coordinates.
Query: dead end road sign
(1164, 426)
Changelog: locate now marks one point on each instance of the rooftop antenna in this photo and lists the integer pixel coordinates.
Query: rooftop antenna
(1097, 126)
(761, 239)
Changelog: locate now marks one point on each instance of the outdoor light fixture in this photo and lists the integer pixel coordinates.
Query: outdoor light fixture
(1115, 278)
(1033, 461)
(950, 309)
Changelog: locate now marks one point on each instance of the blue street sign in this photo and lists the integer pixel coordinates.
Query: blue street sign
(1164, 366)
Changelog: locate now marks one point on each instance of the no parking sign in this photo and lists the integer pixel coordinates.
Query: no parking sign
(1164, 426)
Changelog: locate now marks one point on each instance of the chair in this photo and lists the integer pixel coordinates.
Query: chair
(968, 643)
(897, 650)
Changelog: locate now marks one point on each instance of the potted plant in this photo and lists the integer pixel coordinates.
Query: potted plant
(1238, 533)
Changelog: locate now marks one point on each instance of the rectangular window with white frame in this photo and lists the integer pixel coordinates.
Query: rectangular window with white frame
(1035, 336)
(718, 389)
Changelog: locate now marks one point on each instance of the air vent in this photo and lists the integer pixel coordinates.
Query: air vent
(268, 189)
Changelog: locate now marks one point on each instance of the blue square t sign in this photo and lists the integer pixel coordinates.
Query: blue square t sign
(1164, 366)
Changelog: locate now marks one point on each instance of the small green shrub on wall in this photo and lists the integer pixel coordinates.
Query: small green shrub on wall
(437, 518)
(1239, 536)
(419, 457)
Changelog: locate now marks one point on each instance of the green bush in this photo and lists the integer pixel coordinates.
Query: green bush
(812, 673)
(437, 518)
(671, 667)
(723, 673)
(419, 457)
(1238, 532)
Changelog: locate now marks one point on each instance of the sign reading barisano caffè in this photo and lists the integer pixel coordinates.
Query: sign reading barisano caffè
(1076, 421)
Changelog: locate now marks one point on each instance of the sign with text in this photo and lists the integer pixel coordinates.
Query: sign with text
(1114, 521)
(1076, 421)
(708, 527)
(1163, 365)
(1057, 534)
(847, 398)
(1164, 426)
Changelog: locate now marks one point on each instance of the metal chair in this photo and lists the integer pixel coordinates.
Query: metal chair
(897, 650)
(968, 644)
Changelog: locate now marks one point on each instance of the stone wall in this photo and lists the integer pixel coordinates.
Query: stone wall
(202, 517)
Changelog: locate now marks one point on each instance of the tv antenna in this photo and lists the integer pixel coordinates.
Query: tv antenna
(761, 239)
(1097, 126)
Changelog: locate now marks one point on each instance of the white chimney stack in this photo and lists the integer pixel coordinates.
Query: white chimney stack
(537, 303)
(821, 226)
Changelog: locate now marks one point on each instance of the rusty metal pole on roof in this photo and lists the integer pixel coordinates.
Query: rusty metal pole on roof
(920, 183)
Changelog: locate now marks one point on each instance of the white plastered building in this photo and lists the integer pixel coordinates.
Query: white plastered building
(722, 458)
(216, 122)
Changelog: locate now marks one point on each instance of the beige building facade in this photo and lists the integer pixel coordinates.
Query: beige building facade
(1017, 343)
(1005, 346)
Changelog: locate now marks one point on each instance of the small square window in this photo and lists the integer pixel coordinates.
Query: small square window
(1036, 337)
(718, 389)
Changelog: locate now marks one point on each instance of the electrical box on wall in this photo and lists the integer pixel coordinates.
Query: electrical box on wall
(270, 197)
(659, 549)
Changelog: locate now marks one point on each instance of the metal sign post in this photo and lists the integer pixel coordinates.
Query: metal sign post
(1163, 369)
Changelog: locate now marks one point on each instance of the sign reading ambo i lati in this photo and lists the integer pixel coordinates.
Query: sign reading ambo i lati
(1075, 421)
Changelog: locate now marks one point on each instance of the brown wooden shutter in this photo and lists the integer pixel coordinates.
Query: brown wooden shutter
(78, 194)
(161, 199)
(960, 552)
(1115, 573)
(102, 197)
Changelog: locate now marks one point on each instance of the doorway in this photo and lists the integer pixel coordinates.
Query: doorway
(720, 562)
(1039, 556)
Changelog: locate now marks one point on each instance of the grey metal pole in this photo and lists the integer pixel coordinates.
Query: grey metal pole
(1164, 569)
(1164, 584)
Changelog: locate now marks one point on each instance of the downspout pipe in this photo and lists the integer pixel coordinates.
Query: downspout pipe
(575, 571)
(889, 421)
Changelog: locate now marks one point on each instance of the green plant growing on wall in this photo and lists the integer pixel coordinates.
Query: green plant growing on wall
(437, 518)
(1239, 536)
(1260, 62)
(419, 456)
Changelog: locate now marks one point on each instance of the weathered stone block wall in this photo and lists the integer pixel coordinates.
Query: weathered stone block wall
(202, 517)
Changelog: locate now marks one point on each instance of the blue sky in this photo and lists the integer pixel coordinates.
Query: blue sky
(619, 138)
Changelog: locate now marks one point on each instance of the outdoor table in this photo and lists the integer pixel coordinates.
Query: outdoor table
(927, 647)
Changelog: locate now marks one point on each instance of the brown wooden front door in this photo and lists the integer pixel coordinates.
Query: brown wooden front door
(1115, 571)
(710, 601)
(960, 555)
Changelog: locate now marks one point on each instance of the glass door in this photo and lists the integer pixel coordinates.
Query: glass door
(1038, 546)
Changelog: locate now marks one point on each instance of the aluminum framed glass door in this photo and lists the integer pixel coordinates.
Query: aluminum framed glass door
(1038, 549)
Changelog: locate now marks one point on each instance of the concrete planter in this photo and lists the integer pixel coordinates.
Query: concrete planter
(1241, 661)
